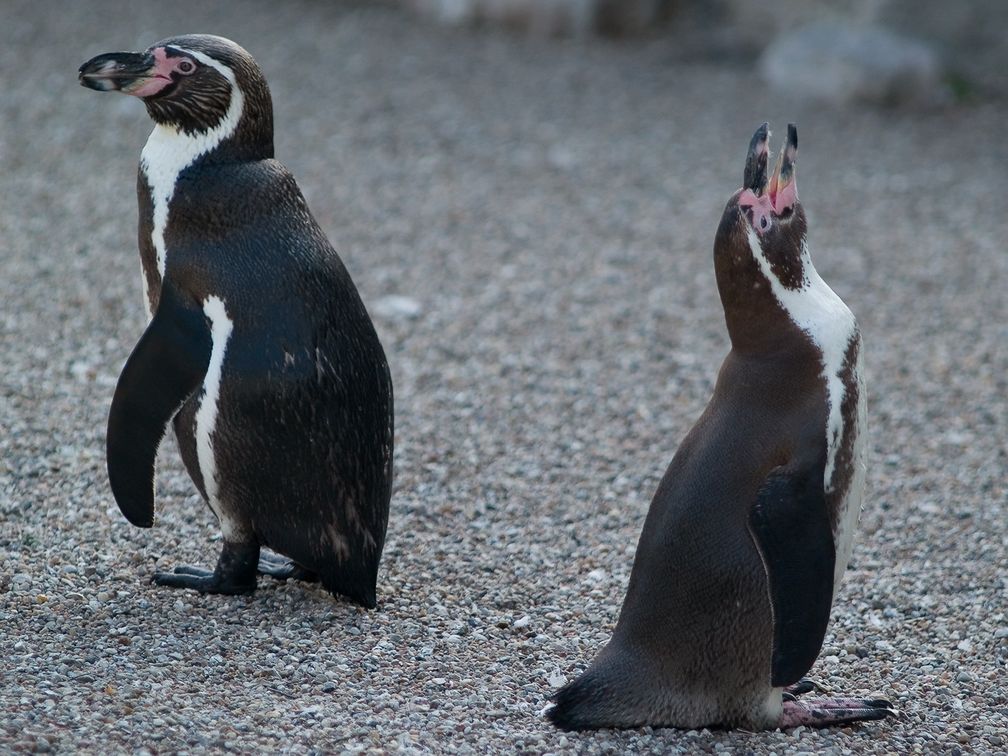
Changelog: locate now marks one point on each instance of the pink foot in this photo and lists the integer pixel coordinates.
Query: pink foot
(823, 712)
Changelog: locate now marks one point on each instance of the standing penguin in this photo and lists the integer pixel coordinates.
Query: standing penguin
(751, 528)
(259, 348)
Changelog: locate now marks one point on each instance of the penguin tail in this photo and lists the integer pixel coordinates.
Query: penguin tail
(574, 705)
(360, 586)
(619, 690)
(590, 702)
(367, 597)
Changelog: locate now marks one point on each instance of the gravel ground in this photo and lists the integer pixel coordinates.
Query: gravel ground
(549, 207)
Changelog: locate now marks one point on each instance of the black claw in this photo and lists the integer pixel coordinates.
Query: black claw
(803, 686)
(874, 714)
(850, 715)
(879, 703)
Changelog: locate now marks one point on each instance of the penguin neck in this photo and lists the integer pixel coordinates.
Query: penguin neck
(768, 298)
(757, 322)
(185, 133)
(766, 316)
(243, 134)
(170, 149)
(804, 298)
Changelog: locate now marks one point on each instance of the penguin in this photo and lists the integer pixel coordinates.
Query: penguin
(750, 530)
(258, 351)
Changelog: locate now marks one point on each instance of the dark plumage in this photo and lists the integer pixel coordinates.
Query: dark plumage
(751, 527)
(259, 350)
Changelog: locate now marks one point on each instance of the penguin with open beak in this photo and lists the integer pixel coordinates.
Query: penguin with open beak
(751, 528)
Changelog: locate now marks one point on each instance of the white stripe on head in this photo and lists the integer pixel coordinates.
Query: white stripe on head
(817, 310)
(170, 150)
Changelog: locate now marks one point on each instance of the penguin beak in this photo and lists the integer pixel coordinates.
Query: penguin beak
(762, 199)
(782, 190)
(131, 73)
(755, 177)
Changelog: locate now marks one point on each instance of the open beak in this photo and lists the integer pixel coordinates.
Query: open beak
(127, 72)
(782, 189)
(765, 199)
(779, 191)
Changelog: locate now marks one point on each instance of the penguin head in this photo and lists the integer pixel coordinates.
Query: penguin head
(764, 217)
(196, 84)
(761, 246)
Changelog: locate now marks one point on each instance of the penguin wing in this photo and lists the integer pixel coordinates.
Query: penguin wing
(791, 525)
(165, 368)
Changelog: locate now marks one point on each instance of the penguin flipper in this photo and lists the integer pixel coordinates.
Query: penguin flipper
(166, 366)
(791, 526)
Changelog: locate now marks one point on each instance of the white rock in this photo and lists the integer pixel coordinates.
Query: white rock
(396, 307)
(845, 62)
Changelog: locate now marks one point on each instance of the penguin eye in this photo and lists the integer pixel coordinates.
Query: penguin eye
(185, 67)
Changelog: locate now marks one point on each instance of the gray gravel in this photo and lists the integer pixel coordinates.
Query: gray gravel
(533, 222)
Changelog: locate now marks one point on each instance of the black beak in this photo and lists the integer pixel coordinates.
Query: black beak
(755, 177)
(123, 71)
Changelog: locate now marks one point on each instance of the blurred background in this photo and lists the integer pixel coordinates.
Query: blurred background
(882, 50)
(526, 194)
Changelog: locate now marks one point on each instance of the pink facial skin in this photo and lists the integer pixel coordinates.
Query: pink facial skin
(160, 75)
(762, 210)
(771, 204)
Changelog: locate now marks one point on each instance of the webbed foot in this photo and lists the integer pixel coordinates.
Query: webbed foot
(281, 568)
(235, 572)
(824, 712)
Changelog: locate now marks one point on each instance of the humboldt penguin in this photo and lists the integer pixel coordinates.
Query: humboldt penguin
(259, 350)
(751, 528)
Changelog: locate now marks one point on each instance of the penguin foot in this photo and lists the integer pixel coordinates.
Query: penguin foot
(281, 568)
(235, 572)
(833, 711)
(803, 686)
(204, 581)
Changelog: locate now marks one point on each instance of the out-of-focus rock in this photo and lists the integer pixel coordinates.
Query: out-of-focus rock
(843, 62)
(967, 37)
(549, 17)
(396, 307)
(972, 38)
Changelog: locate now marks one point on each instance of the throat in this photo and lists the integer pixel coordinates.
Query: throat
(815, 309)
